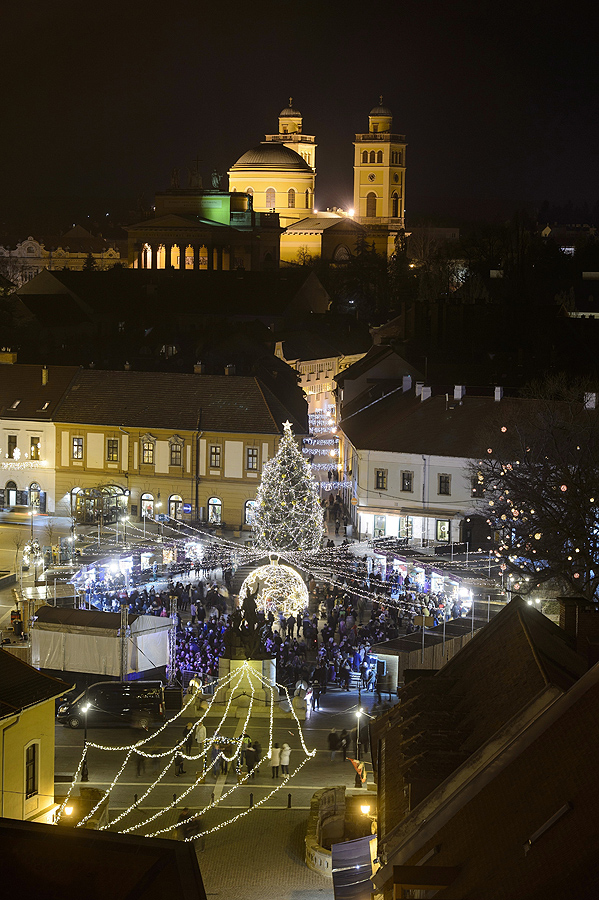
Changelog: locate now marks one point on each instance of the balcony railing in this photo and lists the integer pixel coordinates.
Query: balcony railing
(381, 136)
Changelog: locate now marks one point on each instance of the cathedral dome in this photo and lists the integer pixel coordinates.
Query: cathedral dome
(289, 111)
(271, 155)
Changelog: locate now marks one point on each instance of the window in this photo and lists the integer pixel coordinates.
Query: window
(31, 773)
(35, 493)
(77, 448)
(443, 530)
(380, 526)
(407, 482)
(176, 455)
(371, 205)
(380, 479)
(44, 406)
(34, 448)
(270, 198)
(291, 198)
(147, 506)
(112, 450)
(215, 456)
(249, 511)
(379, 156)
(147, 453)
(307, 199)
(12, 445)
(394, 205)
(175, 502)
(250, 191)
(215, 511)
(444, 485)
(15, 404)
(372, 156)
(365, 156)
(251, 462)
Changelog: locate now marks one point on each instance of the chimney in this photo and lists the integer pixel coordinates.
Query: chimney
(127, 366)
(419, 386)
(230, 369)
(579, 618)
(199, 368)
(426, 392)
(406, 383)
(44, 374)
(498, 394)
(590, 401)
(458, 391)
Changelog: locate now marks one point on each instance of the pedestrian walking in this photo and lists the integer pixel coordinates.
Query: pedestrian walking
(316, 691)
(257, 747)
(333, 740)
(285, 754)
(141, 764)
(179, 770)
(275, 760)
(343, 743)
(250, 760)
(188, 735)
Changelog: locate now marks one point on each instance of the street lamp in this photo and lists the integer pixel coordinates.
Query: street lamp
(84, 772)
(358, 717)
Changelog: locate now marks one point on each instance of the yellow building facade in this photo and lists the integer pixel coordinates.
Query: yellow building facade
(27, 740)
(279, 173)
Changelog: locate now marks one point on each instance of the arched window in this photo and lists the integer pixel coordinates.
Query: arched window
(250, 191)
(372, 156)
(10, 494)
(341, 254)
(215, 511)
(398, 160)
(394, 205)
(35, 495)
(365, 156)
(307, 199)
(270, 198)
(379, 156)
(147, 506)
(291, 198)
(175, 502)
(371, 205)
(249, 510)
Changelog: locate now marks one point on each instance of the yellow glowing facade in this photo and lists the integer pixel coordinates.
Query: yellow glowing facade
(379, 172)
(279, 173)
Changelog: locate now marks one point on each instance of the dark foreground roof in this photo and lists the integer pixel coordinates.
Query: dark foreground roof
(175, 401)
(84, 618)
(22, 686)
(55, 862)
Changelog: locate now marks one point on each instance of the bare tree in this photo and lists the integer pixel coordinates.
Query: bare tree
(540, 484)
(19, 543)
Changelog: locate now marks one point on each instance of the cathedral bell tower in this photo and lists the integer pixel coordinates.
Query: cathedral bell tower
(380, 172)
(291, 134)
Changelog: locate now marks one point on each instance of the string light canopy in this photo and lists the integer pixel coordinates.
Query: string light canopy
(288, 514)
(280, 588)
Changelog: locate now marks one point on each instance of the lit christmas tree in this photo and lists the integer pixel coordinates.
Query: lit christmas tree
(288, 512)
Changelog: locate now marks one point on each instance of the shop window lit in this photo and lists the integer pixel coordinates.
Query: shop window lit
(77, 448)
(407, 482)
(249, 511)
(252, 459)
(380, 523)
(215, 511)
(380, 479)
(444, 485)
(34, 448)
(112, 450)
(443, 530)
(215, 456)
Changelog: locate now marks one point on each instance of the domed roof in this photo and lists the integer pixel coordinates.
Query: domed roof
(271, 155)
(380, 110)
(289, 110)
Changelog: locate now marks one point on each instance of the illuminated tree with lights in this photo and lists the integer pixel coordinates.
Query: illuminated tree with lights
(540, 488)
(288, 513)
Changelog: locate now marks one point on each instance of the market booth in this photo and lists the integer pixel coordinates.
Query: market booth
(89, 641)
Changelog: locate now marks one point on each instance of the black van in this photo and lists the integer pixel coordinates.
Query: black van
(138, 703)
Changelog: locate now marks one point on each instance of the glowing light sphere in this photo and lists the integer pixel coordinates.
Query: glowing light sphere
(280, 588)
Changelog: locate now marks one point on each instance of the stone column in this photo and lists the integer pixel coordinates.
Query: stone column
(140, 257)
(154, 249)
(210, 252)
(182, 250)
(196, 258)
(167, 255)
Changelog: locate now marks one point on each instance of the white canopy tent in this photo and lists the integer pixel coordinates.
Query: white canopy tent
(80, 640)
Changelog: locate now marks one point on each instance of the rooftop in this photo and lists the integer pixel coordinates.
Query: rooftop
(22, 686)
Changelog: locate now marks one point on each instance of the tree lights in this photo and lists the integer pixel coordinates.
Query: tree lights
(288, 513)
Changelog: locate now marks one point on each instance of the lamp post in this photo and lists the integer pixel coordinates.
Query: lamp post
(358, 717)
(84, 772)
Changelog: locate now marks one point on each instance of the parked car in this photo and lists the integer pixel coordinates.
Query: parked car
(138, 703)
(16, 515)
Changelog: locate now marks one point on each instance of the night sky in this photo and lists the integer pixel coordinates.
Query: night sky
(100, 101)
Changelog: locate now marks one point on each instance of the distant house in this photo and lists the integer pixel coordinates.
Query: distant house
(27, 723)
